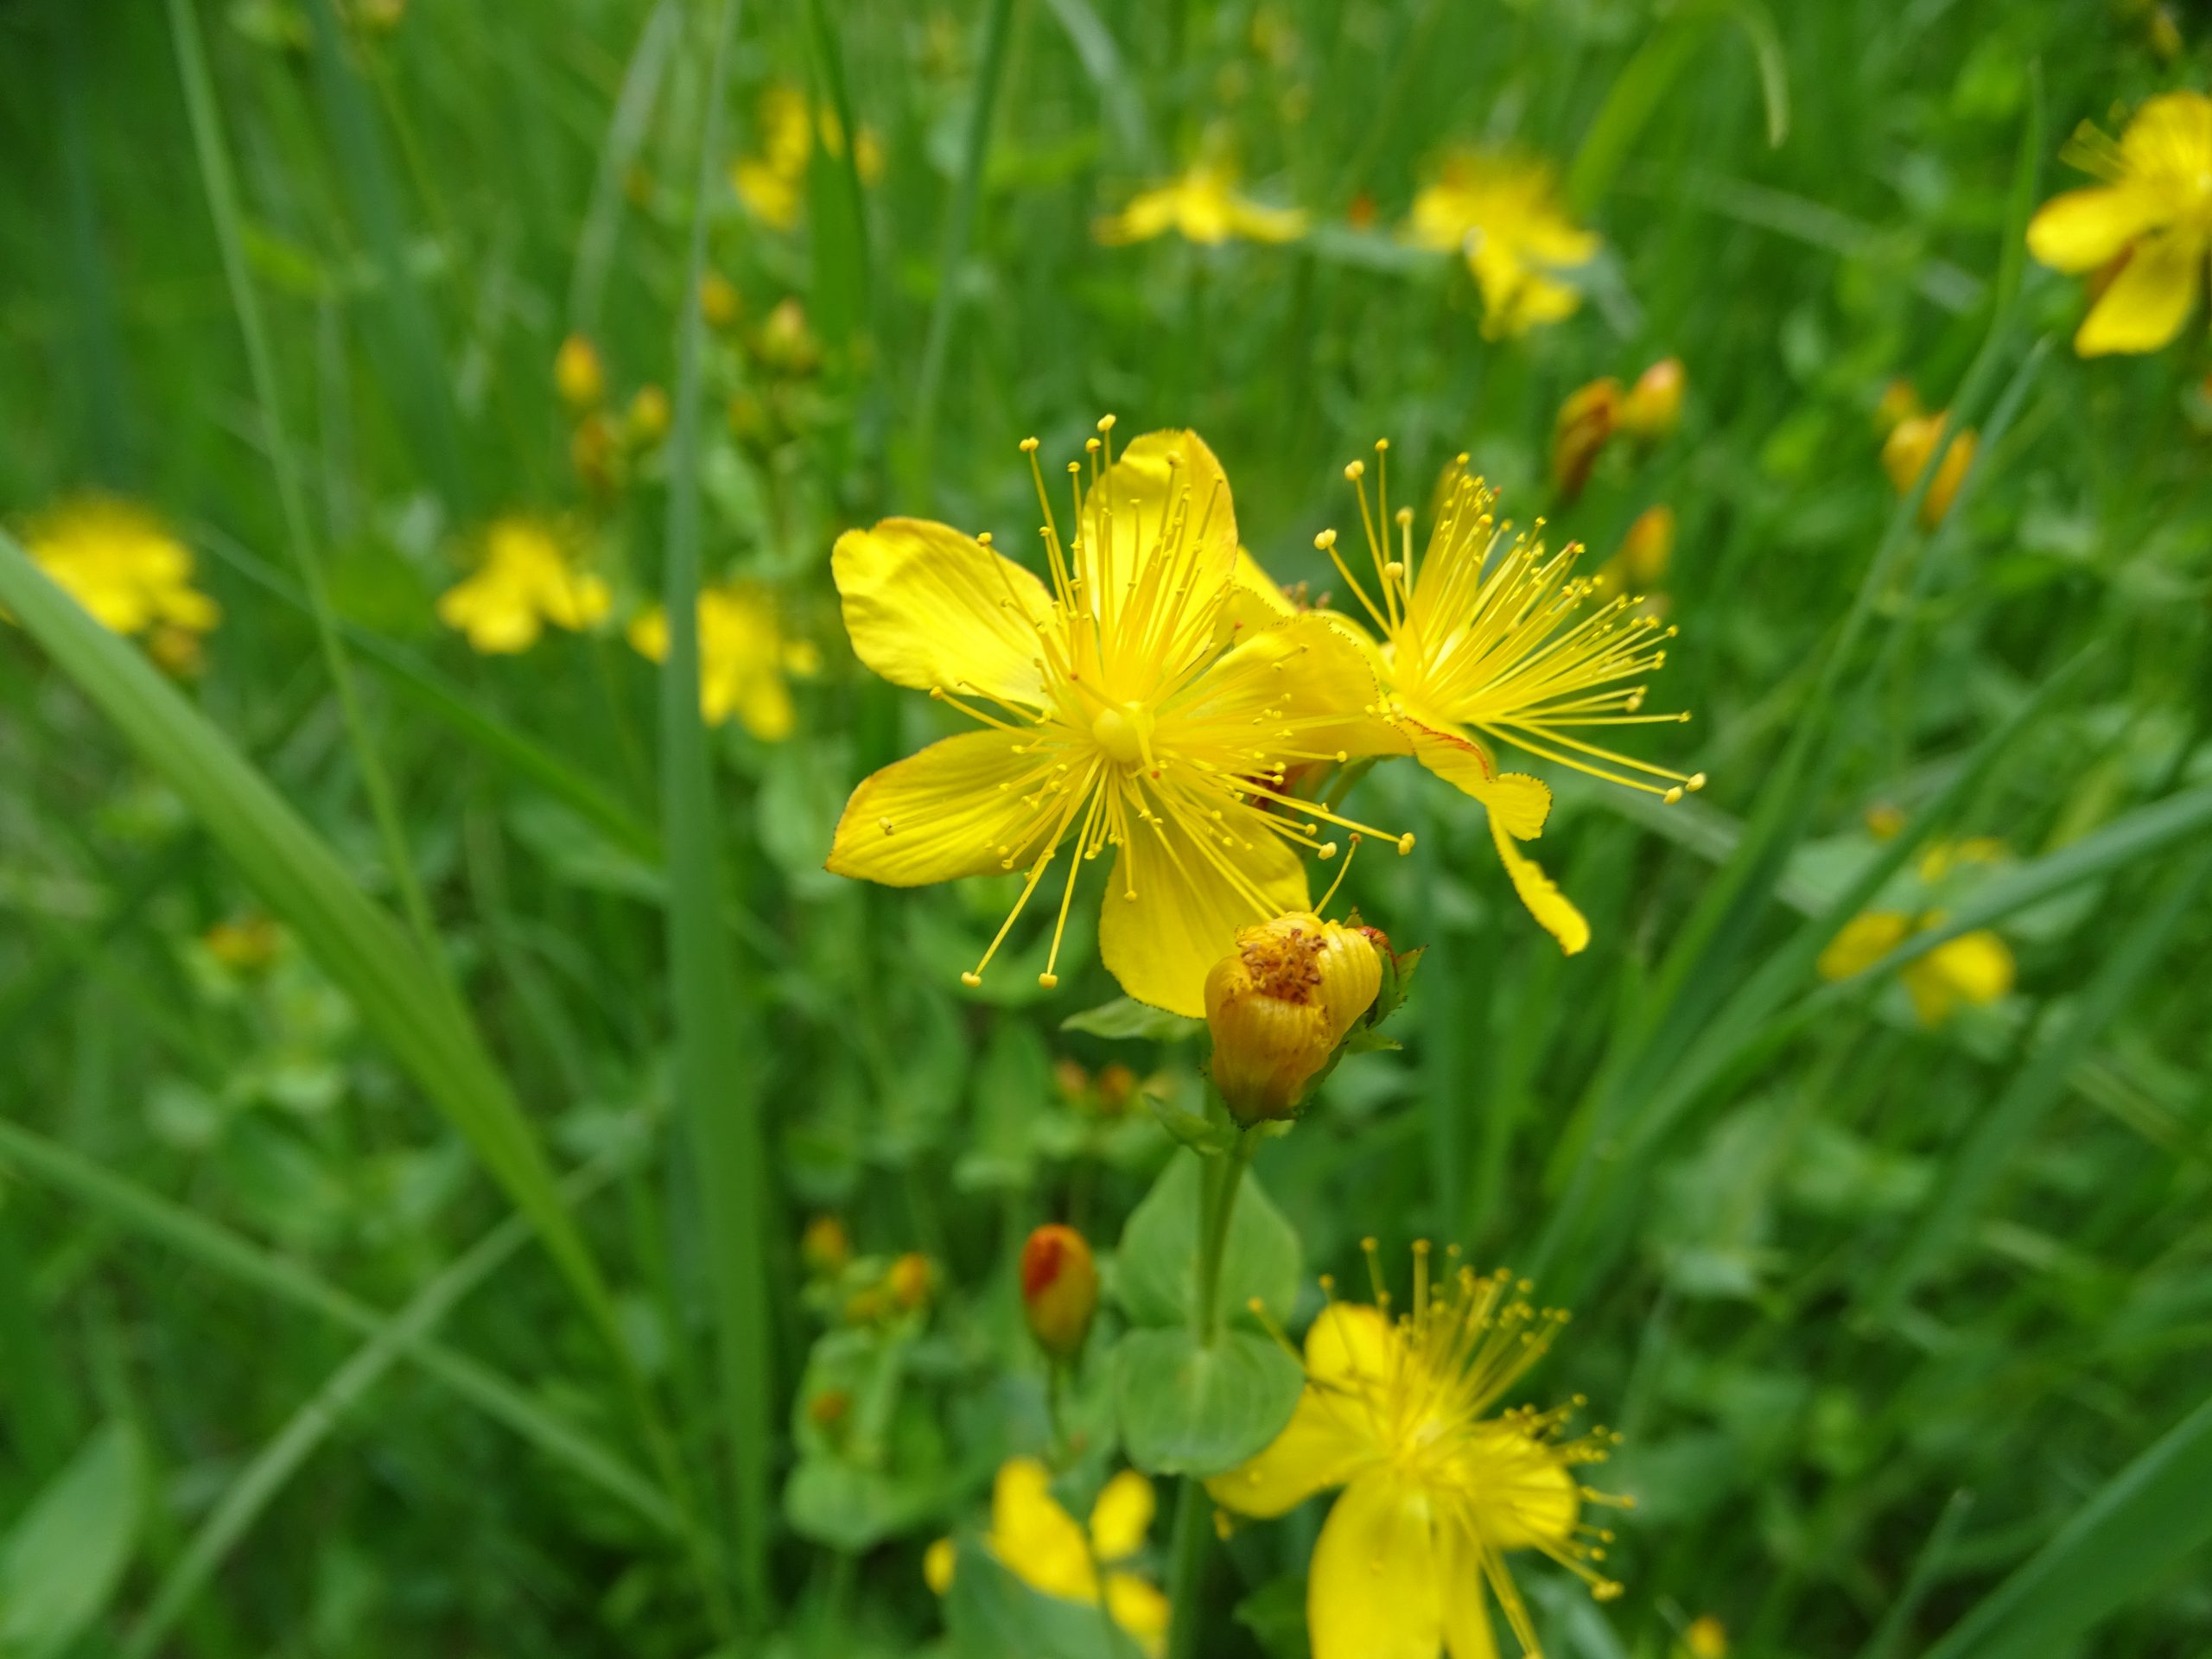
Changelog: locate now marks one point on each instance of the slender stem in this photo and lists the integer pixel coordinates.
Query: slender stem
(1187, 1567)
(1219, 1181)
(223, 207)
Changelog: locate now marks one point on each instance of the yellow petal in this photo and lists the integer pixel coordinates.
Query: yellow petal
(1187, 908)
(1516, 800)
(928, 606)
(1552, 910)
(1350, 1347)
(648, 633)
(1147, 215)
(1122, 1516)
(948, 815)
(1035, 1537)
(1310, 668)
(1375, 1590)
(2148, 301)
(575, 598)
(2170, 137)
(1155, 476)
(1978, 965)
(1256, 599)
(939, 1561)
(1864, 941)
(2083, 229)
(1259, 224)
(1329, 1440)
(1139, 1609)
(1467, 1617)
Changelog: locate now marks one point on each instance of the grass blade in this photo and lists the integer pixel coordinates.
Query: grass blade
(716, 1083)
(2146, 1518)
(127, 1204)
(626, 133)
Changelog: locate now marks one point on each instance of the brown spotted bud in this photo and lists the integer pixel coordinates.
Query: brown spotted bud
(1059, 1289)
(1280, 1004)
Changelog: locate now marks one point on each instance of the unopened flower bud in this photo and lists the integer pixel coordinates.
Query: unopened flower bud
(830, 1407)
(910, 1280)
(825, 1247)
(1059, 1289)
(1653, 407)
(718, 300)
(577, 373)
(647, 422)
(1648, 547)
(1907, 451)
(1118, 1088)
(1280, 1004)
(1585, 423)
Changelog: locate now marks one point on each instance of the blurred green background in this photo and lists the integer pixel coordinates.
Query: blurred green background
(1880, 1305)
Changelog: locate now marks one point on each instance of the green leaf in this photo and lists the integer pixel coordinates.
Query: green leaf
(1202, 1135)
(61, 1562)
(1156, 1267)
(2144, 1521)
(1125, 1017)
(1191, 1410)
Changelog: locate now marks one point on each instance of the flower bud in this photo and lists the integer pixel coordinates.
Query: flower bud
(577, 374)
(1280, 1004)
(1585, 425)
(1653, 407)
(1648, 547)
(910, 1280)
(719, 303)
(1059, 1289)
(647, 422)
(825, 1247)
(1907, 451)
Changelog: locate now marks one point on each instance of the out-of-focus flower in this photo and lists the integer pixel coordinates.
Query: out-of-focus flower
(1360, 211)
(1905, 451)
(1653, 408)
(911, 1280)
(1944, 856)
(1645, 551)
(1899, 402)
(1580, 433)
(1042, 1546)
(1280, 1004)
(528, 578)
(1437, 1492)
(1121, 708)
(1705, 1638)
(595, 451)
(1116, 1088)
(825, 1247)
(772, 182)
(1059, 1289)
(1201, 206)
(1502, 213)
(719, 301)
(2149, 223)
(245, 944)
(1884, 821)
(1975, 967)
(647, 422)
(785, 342)
(830, 1407)
(747, 662)
(124, 565)
(578, 374)
(1488, 640)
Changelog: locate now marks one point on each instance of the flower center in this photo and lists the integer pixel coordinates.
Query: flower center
(1122, 731)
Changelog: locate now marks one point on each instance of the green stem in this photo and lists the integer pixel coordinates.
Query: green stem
(1187, 1567)
(1217, 1187)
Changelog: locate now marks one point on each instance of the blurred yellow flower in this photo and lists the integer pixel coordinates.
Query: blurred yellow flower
(772, 183)
(1042, 1544)
(1487, 639)
(124, 566)
(1653, 408)
(1905, 451)
(245, 944)
(1201, 206)
(528, 579)
(719, 302)
(746, 660)
(1120, 708)
(1975, 967)
(2150, 222)
(1502, 214)
(1705, 1638)
(578, 375)
(1436, 1492)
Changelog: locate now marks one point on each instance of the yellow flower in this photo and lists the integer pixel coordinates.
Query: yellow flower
(772, 184)
(1483, 641)
(746, 660)
(1437, 1492)
(1042, 1546)
(1121, 709)
(245, 944)
(1905, 451)
(1706, 1638)
(527, 578)
(1975, 967)
(578, 374)
(2152, 218)
(719, 302)
(1278, 1006)
(122, 564)
(1502, 214)
(1201, 206)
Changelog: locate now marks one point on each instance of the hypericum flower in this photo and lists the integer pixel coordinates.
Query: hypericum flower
(578, 375)
(527, 578)
(1905, 451)
(1042, 1546)
(1201, 206)
(1122, 708)
(772, 184)
(1653, 407)
(1059, 1289)
(1975, 968)
(1484, 641)
(1502, 215)
(1280, 1004)
(124, 565)
(2149, 224)
(747, 662)
(1438, 1490)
